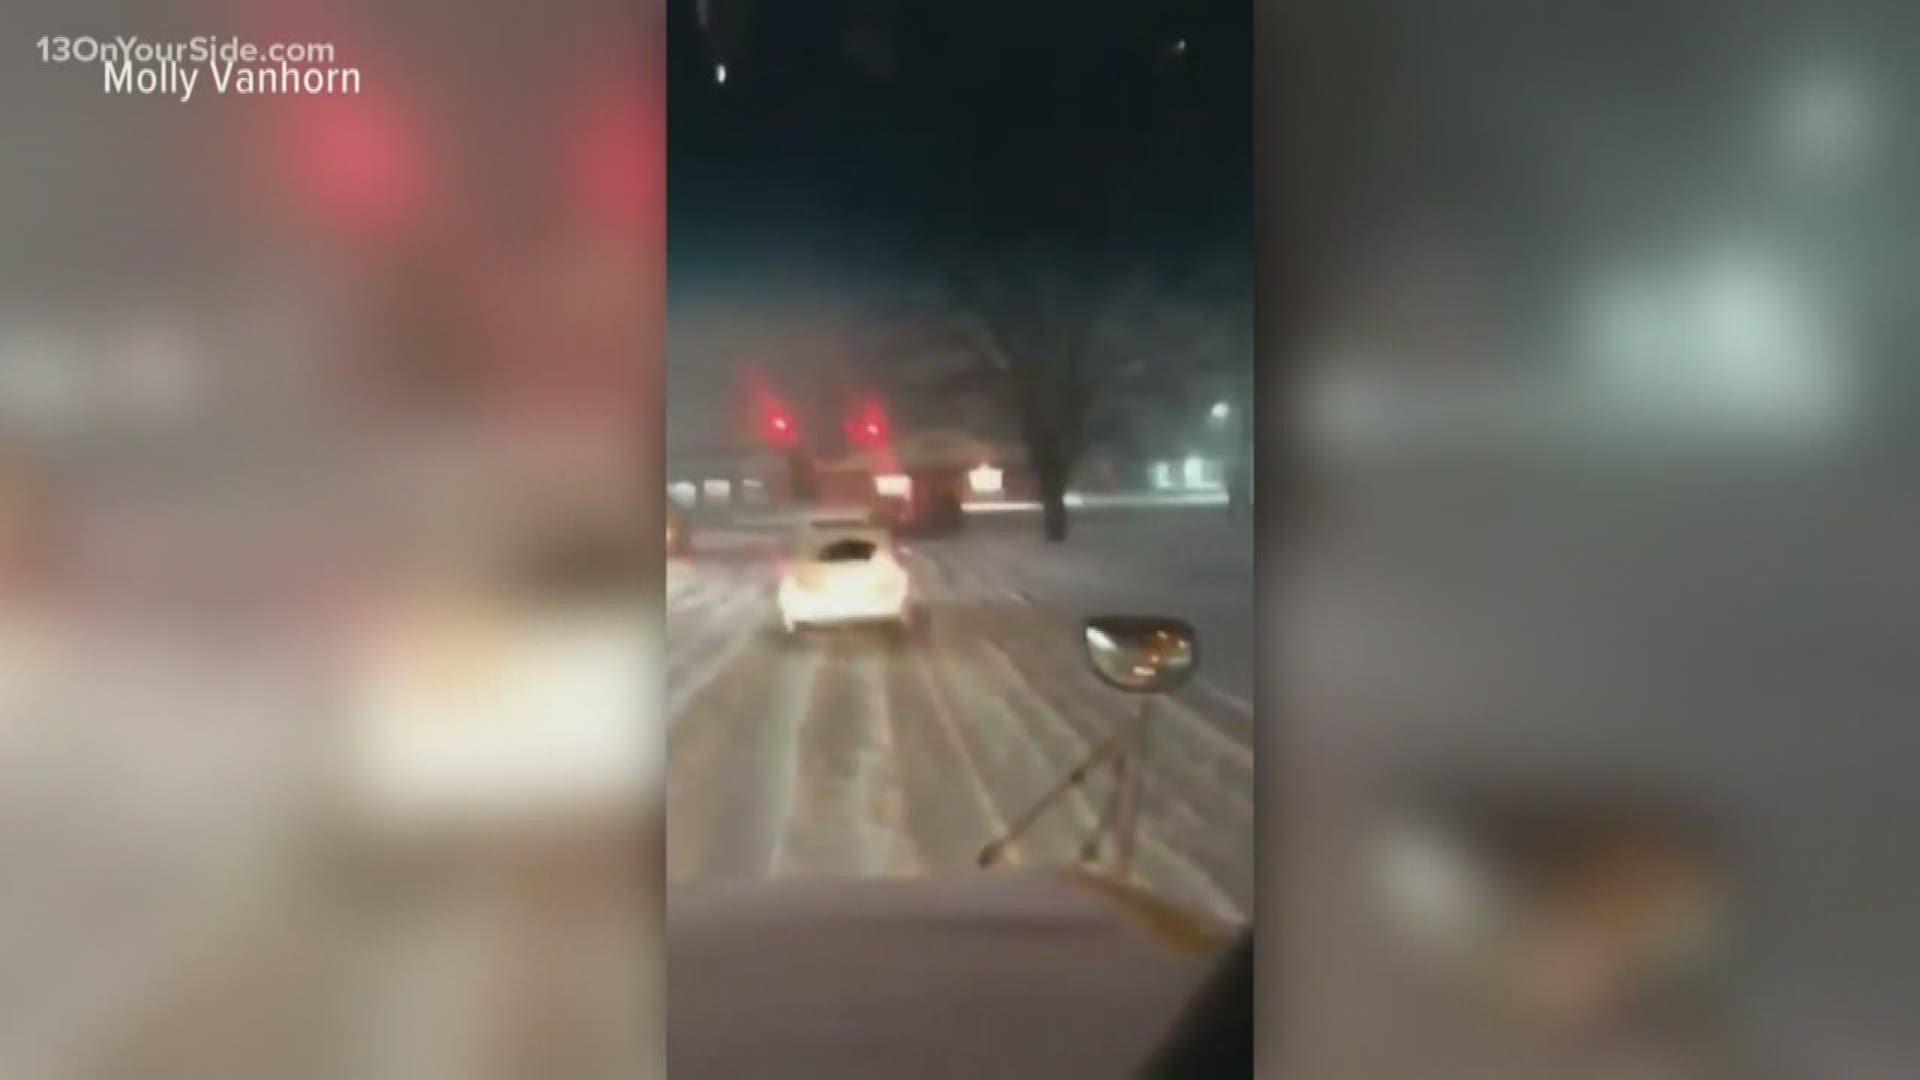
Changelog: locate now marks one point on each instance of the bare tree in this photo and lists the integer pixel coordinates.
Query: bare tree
(1036, 353)
(1075, 172)
(1069, 350)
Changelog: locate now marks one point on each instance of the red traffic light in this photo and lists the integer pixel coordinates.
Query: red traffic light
(869, 427)
(781, 430)
(777, 424)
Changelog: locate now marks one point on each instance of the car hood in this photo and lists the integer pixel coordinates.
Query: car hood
(1008, 974)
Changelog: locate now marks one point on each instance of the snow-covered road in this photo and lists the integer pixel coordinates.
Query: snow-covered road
(853, 753)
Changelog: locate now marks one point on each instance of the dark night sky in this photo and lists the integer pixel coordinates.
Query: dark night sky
(857, 143)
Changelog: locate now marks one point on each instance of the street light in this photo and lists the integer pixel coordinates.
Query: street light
(1220, 411)
(720, 74)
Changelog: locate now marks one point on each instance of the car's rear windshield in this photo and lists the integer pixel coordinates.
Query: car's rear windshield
(844, 551)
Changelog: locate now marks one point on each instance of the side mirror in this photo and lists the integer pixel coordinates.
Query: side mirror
(1141, 654)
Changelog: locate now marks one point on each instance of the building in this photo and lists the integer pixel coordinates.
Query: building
(976, 469)
(728, 479)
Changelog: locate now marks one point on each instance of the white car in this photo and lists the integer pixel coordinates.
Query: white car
(843, 574)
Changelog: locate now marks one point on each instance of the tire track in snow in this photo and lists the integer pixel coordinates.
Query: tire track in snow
(946, 834)
(1021, 764)
(731, 768)
(704, 639)
(1034, 745)
(1002, 752)
(1231, 720)
(845, 818)
(705, 663)
(886, 801)
(945, 830)
(1164, 856)
(1196, 832)
(1229, 764)
(1201, 774)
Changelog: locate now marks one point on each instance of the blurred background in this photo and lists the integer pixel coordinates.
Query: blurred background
(1598, 373)
(326, 424)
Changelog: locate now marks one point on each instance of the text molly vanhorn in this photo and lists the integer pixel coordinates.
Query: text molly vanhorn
(227, 77)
